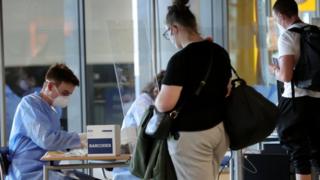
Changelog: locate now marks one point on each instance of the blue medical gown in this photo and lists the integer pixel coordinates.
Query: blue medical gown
(36, 130)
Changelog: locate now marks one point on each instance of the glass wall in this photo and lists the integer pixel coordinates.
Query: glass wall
(114, 47)
(248, 48)
(242, 20)
(253, 38)
(36, 34)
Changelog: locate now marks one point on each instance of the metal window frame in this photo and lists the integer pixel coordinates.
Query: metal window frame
(77, 108)
(220, 27)
(83, 62)
(2, 82)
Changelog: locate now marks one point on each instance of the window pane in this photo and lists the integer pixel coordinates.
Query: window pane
(37, 34)
(110, 57)
(248, 48)
(253, 36)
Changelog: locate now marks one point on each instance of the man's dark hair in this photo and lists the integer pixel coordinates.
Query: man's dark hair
(61, 73)
(288, 8)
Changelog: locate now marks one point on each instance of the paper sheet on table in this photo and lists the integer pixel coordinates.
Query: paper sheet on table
(77, 152)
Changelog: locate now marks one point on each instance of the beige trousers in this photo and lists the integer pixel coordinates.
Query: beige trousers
(197, 155)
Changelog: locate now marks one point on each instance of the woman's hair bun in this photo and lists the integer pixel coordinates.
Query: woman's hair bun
(180, 3)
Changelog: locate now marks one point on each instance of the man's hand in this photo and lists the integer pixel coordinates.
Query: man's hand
(273, 68)
(83, 140)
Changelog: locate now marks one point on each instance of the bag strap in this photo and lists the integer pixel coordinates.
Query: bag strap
(204, 81)
(175, 112)
(238, 80)
(235, 72)
(293, 95)
(299, 30)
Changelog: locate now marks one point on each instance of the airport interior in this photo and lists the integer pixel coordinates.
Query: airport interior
(115, 47)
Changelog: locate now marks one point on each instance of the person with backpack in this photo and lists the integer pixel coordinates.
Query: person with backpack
(299, 120)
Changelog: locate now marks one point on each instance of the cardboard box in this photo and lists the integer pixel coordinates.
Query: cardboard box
(103, 140)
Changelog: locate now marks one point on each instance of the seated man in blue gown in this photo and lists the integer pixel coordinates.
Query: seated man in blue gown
(36, 127)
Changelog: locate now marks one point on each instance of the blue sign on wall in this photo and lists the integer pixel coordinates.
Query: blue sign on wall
(100, 146)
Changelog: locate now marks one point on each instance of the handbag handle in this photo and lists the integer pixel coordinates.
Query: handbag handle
(238, 80)
(235, 72)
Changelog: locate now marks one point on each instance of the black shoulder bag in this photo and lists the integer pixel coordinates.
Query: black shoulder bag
(250, 116)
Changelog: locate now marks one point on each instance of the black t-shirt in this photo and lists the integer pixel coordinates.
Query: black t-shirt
(187, 68)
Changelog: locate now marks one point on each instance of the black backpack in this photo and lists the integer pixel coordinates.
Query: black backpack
(306, 74)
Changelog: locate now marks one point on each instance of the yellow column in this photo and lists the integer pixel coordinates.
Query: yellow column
(242, 38)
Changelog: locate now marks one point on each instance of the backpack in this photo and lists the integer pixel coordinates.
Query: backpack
(306, 74)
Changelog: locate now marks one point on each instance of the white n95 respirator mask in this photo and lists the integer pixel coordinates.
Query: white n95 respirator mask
(61, 101)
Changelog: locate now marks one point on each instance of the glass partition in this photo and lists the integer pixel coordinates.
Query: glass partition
(110, 76)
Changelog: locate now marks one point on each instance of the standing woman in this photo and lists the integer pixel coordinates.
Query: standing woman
(202, 143)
